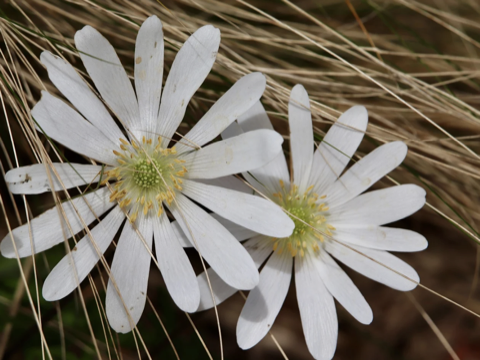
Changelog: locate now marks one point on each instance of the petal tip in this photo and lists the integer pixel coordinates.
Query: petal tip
(6, 249)
(191, 307)
(152, 21)
(299, 96)
(367, 318)
(245, 340)
(191, 304)
(47, 293)
(249, 282)
(83, 35)
(298, 89)
(357, 116)
(424, 245)
(46, 56)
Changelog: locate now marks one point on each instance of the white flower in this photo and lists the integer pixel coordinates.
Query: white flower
(334, 205)
(144, 174)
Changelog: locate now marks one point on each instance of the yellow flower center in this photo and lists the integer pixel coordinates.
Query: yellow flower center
(146, 175)
(309, 213)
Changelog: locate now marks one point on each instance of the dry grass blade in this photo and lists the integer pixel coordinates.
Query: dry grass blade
(413, 64)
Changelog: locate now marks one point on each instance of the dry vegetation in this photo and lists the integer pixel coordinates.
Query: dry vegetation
(413, 64)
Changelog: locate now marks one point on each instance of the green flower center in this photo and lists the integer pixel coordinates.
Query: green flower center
(298, 215)
(146, 175)
(309, 213)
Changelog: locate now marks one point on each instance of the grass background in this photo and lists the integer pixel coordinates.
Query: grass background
(413, 64)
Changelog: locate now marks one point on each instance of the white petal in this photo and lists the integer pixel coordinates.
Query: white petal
(219, 248)
(317, 310)
(239, 232)
(189, 69)
(109, 76)
(366, 172)
(228, 182)
(232, 130)
(175, 266)
(76, 90)
(301, 136)
(259, 253)
(265, 178)
(148, 73)
(372, 269)
(337, 147)
(63, 124)
(130, 269)
(238, 99)
(382, 238)
(342, 288)
(241, 153)
(255, 118)
(74, 267)
(250, 211)
(49, 229)
(35, 179)
(379, 207)
(265, 301)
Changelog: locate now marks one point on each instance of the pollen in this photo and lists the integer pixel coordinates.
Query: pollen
(146, 176)
(309, 212)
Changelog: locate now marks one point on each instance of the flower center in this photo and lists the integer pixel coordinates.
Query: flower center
(146, 175)
(309, 213)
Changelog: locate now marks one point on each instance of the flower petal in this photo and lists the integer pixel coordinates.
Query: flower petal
(373, 269)
(130, 269)
(270, 174)
(148, 73)
(49, 229)
(219, 248)
(175, 266)
(259, 253)
(250, 211)
(301, 136)
(380, 206)
(382, 238)
(366, 172)
(317, 310)
(76, 90)
(228, 182)
(109, 76)
(342, 288)
(75, 266)
(255, 118)
(265, 301)
(239, 232)
(238, 99)
(241, 153)
(35, 179)
(60, 122)
(338, 146)
(189, 69)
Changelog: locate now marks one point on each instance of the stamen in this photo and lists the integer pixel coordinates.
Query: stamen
(145, 175)
(133, 216)
(309, 219)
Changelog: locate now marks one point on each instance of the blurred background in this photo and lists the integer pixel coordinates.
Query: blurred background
(413, 64)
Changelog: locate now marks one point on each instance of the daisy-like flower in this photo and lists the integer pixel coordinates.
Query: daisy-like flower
(143, 174)
(332, 218)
